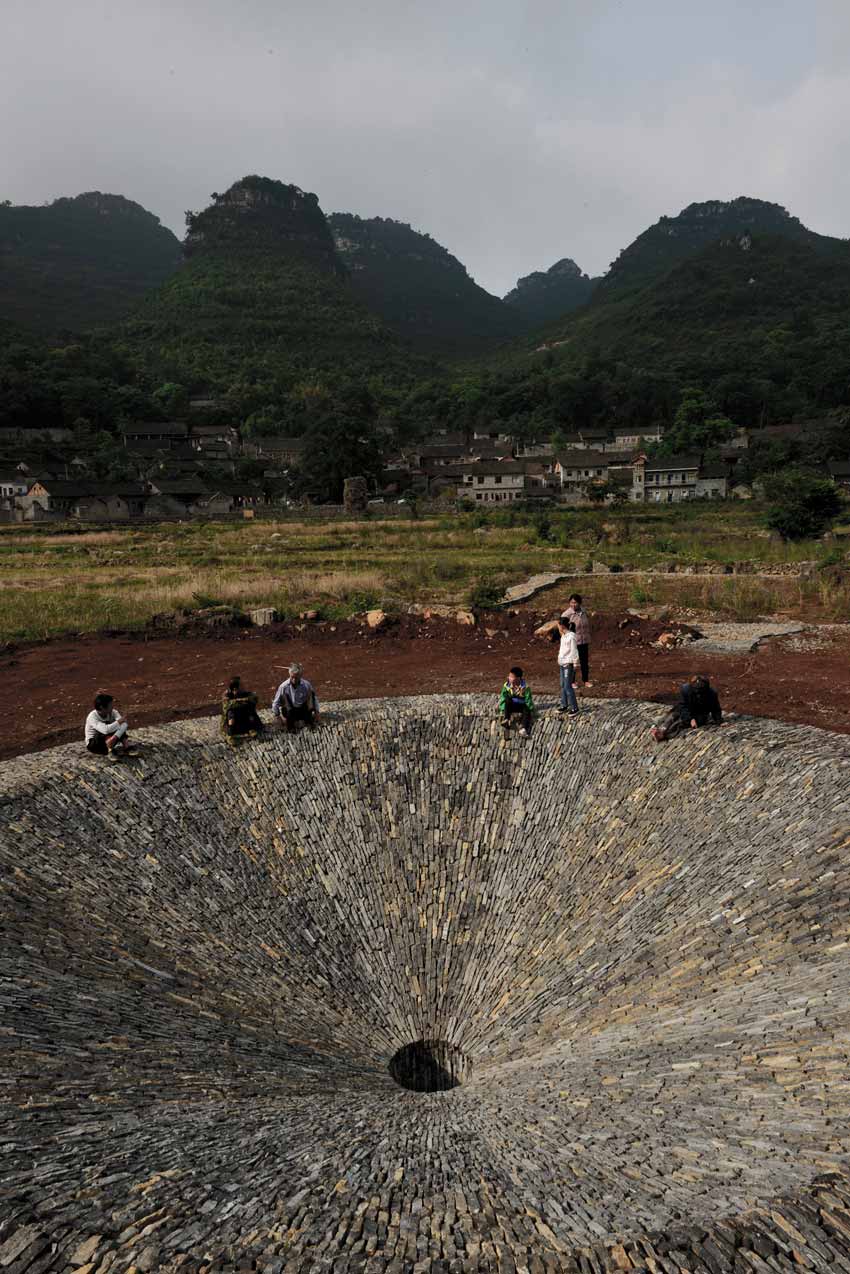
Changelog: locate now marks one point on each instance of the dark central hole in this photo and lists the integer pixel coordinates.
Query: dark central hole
(429, 1066)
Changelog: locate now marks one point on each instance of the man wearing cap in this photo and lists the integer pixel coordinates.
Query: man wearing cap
(295, 701)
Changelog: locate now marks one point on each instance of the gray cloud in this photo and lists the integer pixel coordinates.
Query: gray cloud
(513, 133)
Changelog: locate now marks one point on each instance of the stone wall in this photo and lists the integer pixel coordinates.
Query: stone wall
(631, 961)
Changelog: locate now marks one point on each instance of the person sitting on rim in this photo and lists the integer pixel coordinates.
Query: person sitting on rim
(106, 730)
(296, 700)
(516, 697)
(239, 716)
(698, 700)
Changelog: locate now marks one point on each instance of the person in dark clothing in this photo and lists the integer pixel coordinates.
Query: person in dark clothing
(698, 703)
(239, 715)
(516, 697)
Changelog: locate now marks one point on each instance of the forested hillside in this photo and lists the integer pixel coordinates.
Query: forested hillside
(79, 262)
(262, 298)
(419, 289)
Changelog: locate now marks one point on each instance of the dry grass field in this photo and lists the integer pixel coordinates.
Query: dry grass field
(56, 581)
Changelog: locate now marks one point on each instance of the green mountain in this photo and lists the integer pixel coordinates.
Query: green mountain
(262, 295)
(549, 294)
(673, 240)
(738, 298)
(419, 289)
(78, 262)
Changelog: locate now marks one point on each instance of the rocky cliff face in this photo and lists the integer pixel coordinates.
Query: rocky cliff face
(80, 261)
(547, 294)
(262, 214)
(418, 288)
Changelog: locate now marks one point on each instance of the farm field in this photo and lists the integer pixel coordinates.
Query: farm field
(71, 580)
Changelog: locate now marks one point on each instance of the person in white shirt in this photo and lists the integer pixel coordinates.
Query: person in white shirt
(567, 664)
(295, 701)
(106, 729)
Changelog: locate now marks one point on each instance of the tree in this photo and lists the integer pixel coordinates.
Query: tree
(339, 443)
(802, 504)
(171, 399)
(698, 425)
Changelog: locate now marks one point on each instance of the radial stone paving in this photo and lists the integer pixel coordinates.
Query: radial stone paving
(403, 995)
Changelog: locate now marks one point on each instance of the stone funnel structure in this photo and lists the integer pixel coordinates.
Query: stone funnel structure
(400, 995)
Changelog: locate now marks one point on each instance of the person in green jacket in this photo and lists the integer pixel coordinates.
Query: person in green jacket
(516, 697)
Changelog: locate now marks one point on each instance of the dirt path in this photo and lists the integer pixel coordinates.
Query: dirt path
(49, 687)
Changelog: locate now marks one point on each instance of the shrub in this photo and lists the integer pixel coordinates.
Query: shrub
(485, 593)
(802, 505)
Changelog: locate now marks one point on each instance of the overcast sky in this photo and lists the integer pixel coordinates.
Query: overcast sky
(514, 133)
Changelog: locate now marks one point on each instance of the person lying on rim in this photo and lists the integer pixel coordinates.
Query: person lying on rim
(698, 702)
(295, 701)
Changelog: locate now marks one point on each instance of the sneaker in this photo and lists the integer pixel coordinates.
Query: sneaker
(505, 723)
(657, 734)
(523, 732)
(560, 712)
(573, 712)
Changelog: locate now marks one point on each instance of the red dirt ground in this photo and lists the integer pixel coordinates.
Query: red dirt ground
(154, 678)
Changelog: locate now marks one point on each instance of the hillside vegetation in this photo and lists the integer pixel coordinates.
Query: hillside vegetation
(79, 262)
(419, 289)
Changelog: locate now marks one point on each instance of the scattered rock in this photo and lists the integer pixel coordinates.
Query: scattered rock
(599, 568)
(545, 629)
(263, 616)
(309, 614)
(465, 617)
(376, 618)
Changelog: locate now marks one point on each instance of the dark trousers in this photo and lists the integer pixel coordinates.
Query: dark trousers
(674, 723)
(304, 713)
(510, 707)
(584, 660)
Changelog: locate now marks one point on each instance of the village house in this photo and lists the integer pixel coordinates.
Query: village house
(501, 481)
(664, 480)
(180, 495)
(530, 447)
(214, 440)
(168, 433)
(279, 451)
(587, 439)
(576, 470)
(628, 438)
(13, 482)
(712, 481)
(82, 501)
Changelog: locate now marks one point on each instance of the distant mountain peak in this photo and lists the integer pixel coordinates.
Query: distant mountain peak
(262, 213)
(545, 295)
(672, 239)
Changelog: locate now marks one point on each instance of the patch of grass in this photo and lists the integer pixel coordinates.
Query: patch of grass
(63, 580)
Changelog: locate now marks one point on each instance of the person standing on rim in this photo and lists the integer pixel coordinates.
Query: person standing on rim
(567, 661)
(577, 616)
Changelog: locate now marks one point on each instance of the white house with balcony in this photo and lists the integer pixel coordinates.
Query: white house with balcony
(664, 479)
